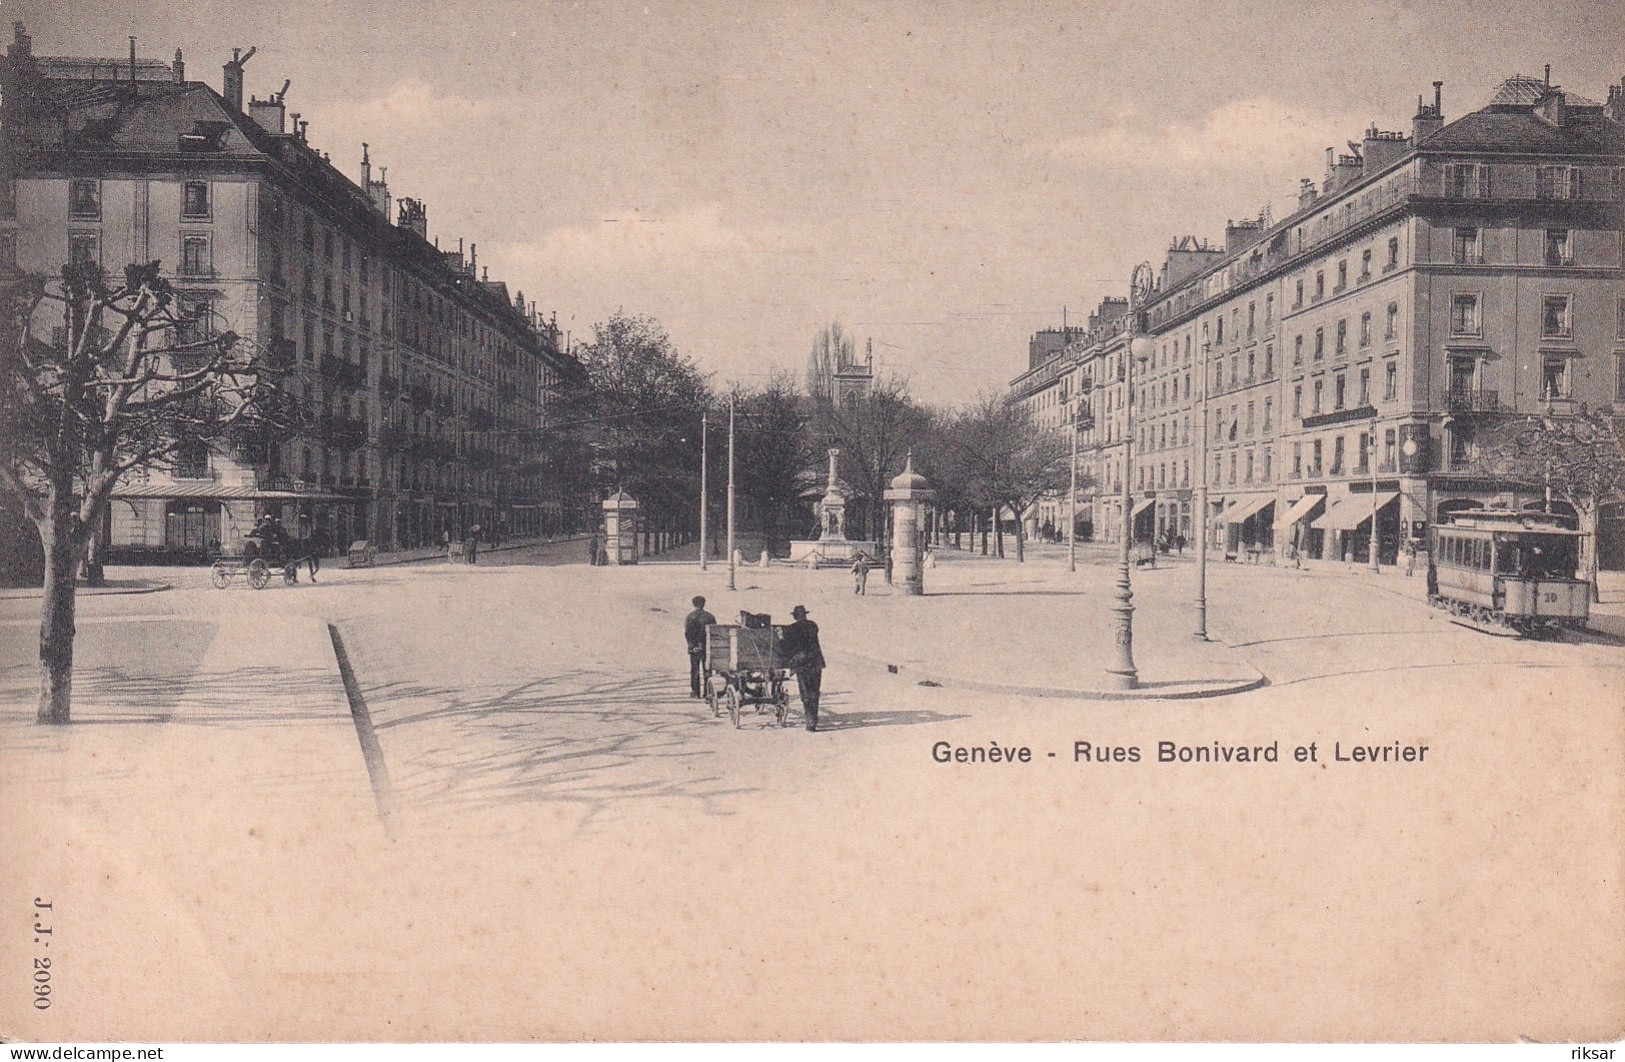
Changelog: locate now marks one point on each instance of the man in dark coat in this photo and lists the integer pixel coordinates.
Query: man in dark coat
(694, 633)
(804, 656)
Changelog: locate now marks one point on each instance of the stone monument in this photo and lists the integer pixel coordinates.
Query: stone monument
(832, 546)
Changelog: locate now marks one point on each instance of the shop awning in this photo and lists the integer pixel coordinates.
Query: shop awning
(1246, 507)
(218, 492)
(1141, 506)
(1352, 511)
(1300, 509)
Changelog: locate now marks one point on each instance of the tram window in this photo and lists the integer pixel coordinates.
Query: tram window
(1509, 559)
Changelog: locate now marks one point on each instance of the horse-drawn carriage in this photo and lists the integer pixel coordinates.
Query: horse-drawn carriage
(266, 555)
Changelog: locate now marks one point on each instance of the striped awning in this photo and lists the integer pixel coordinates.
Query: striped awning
(1142, 505)
(220, 492)
(1246, 507)
(1300, 509)
(1353, 511)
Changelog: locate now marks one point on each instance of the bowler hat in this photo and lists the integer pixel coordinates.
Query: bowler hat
(799, 611)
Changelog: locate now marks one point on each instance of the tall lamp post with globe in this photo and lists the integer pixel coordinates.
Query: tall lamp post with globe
(1123, 673)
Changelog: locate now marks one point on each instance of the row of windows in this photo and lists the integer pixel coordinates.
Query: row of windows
(1315, 451)
(1340, 394)
(1342, 274)
(1467, 246)
(195, 257)
(1556, 315)
(85, 200)
(1340, 336)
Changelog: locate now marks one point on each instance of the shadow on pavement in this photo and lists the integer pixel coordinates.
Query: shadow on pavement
(859, 720)
(582, 738)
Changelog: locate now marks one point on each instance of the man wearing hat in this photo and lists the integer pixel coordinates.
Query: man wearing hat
(804, 656)
(694, 633)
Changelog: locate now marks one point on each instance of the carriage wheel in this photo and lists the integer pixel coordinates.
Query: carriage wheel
(733, 705)
(259, 573)
(711, 694)
(290, 574)
(220, 575)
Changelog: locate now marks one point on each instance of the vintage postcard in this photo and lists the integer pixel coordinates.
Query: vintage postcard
(812, 522)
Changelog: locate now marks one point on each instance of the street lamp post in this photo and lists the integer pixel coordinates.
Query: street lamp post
(1072, 496)
(731, 564)
(1123, 672)
(1201, 510)
(705, 498)
(1371, 460)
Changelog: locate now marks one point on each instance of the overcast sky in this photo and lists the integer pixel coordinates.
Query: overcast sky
(942, 177)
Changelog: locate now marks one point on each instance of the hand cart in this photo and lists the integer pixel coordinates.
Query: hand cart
(743, 666)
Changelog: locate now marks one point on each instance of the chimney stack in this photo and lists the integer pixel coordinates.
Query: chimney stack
(22, 45)
(232, 81)
(414, 217)
(132, 60)
(1306, 193)
(1428, 120)
(1614, 109)
(178, 72)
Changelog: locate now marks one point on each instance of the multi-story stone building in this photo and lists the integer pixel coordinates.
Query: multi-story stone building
(421, 382)
(1055, 391)
(1346, 361)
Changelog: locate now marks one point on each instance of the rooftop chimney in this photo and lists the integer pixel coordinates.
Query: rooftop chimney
(1428, 120)
(1553, 107)
(132, 60)
(232, 82)
(269, 114)
(178, 71)
(414, 217)
(1382, 148)
(1306, 193)
(22, 45)
(1614, 109)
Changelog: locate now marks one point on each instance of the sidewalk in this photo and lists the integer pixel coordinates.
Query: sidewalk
(113, 586)
(171, 712)
(1032, 629)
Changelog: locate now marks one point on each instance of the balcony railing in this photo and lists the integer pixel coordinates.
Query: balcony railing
(1461, 400)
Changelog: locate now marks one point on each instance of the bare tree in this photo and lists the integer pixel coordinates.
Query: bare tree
(637, 414)
(831, 352)
(776, 450)
(131, 378)
(1006, 461)
(875, 431)
(1579, 458)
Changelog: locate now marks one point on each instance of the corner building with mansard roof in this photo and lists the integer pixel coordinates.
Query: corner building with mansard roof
(1346, 361)
(422, 382)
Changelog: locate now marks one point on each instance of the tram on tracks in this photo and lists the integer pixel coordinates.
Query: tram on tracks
(1510, 572)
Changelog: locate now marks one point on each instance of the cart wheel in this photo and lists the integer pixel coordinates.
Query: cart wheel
(711, 694)
(733, 705)
(259, 573)
(220, 575)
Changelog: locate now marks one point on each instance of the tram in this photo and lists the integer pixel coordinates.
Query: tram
(1510, 572)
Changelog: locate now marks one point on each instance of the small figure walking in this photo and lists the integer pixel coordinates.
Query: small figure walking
(1410, 557)
(471, 548)
(805, 657)
(860, 576)
(694, 634)
(319, 542)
